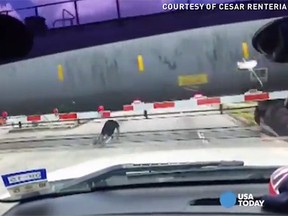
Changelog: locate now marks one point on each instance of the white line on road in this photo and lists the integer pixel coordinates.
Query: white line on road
(202, 137)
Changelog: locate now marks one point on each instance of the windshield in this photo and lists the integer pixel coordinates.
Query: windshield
(117, 94)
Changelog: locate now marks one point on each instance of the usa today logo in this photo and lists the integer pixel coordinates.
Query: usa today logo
(229, 199)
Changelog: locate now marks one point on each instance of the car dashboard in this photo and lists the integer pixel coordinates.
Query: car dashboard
(143, 201)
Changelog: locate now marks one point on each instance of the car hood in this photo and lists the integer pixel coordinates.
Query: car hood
(250, 156)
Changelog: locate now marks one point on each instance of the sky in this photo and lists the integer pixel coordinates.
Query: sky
(89, 10)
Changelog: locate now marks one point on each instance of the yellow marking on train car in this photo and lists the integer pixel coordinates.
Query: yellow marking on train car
(245, 50)
(196, 79)
(140, 63)
(60, 73)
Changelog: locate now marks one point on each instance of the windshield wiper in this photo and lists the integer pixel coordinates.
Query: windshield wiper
(128, 170)
(185, 165)
(138, 170)
(128, 174)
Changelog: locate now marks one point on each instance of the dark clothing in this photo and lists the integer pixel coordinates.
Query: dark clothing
(109, 127)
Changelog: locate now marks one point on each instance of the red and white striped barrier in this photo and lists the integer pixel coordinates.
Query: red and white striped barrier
(137, 106)
(61, 117)
(195, 102)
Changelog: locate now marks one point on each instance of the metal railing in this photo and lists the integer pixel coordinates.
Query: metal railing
(37, 7)
(73, 17)
(118, 9)
(64, 19)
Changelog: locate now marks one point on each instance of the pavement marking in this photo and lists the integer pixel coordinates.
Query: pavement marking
(202, 137)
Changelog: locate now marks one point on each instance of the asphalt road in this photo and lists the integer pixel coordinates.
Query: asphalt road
(132, 126)
(194, 138)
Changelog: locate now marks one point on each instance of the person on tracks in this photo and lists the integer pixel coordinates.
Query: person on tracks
(107, 132)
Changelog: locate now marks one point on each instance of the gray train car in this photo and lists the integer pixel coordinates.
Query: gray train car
(163, 67)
